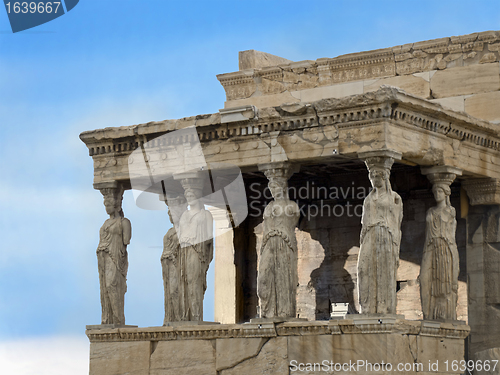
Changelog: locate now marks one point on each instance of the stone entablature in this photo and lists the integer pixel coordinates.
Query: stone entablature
(483, 191)
(425, 56)
(362, 324)
(424, 132)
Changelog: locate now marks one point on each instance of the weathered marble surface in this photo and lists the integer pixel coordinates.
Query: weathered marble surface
(195, 238)
(380, 240)
(483, 268)
(172, 266)
(273, 348)
(112, 258)
(440, 261)
(277, 273)
(447, 67)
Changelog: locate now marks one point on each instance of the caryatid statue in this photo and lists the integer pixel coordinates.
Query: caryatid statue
(440, 261)
(380, 238)
(112, 258)
(196, 240)
(277, 277)
(171, 262)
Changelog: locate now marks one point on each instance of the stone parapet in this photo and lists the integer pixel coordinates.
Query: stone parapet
(405, 60)
(275, 348)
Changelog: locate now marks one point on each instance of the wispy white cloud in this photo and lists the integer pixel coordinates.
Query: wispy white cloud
(52, 355)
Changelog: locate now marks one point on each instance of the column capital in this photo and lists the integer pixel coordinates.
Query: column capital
(441, 174)
(483, 191)
(106, 185)
(365, 155)
(185, 175)
(379, 159)
(279, 169)
(191, 180)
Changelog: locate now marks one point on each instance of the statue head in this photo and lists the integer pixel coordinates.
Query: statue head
(379, 168)
(176, 206)
(192, 195)
(278, 186)
(379, 177)
(278, 181)
(113, 200)
(442, 192)
(193, 189)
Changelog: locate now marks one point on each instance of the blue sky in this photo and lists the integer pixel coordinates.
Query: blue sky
(123, 62)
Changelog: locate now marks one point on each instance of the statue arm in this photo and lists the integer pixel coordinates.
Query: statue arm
(363, 220)
(399, 205)
(209, 224)
(428, 224)
(454, 250)
(127, 231)
(210, 233)
(292, 210)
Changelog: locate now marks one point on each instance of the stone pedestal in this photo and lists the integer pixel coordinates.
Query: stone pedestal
(316, 347)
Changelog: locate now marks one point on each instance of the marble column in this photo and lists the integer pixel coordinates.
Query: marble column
(440, 261)
(483, 267)
(225, 288)
(380, 237)
(196, 240)
(112, 257)
(277, 277)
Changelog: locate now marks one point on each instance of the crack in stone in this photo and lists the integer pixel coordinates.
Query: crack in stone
(220, 372)
(414, 355)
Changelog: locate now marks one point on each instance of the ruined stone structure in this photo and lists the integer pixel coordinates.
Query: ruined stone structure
(419, 123)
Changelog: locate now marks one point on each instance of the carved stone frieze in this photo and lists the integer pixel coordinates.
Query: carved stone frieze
(437, 54)
(482, 191)
(249, 330)
(424, 132)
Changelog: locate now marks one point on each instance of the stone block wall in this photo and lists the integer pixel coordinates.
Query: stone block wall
(461, 73)
(483, 263)
(277, 348)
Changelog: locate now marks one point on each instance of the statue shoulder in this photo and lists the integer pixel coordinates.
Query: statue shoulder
(397, 198)
(292, 207)
(269, 207)
(207, 214)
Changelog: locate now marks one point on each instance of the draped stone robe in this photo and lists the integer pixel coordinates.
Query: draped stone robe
(171, 261)
(112, 262)
(379, 252)
(440, 265)
(277, 278)
(196, 232)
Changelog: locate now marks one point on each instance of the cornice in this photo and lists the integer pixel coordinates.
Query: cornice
(386, 104)
(332, 327)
